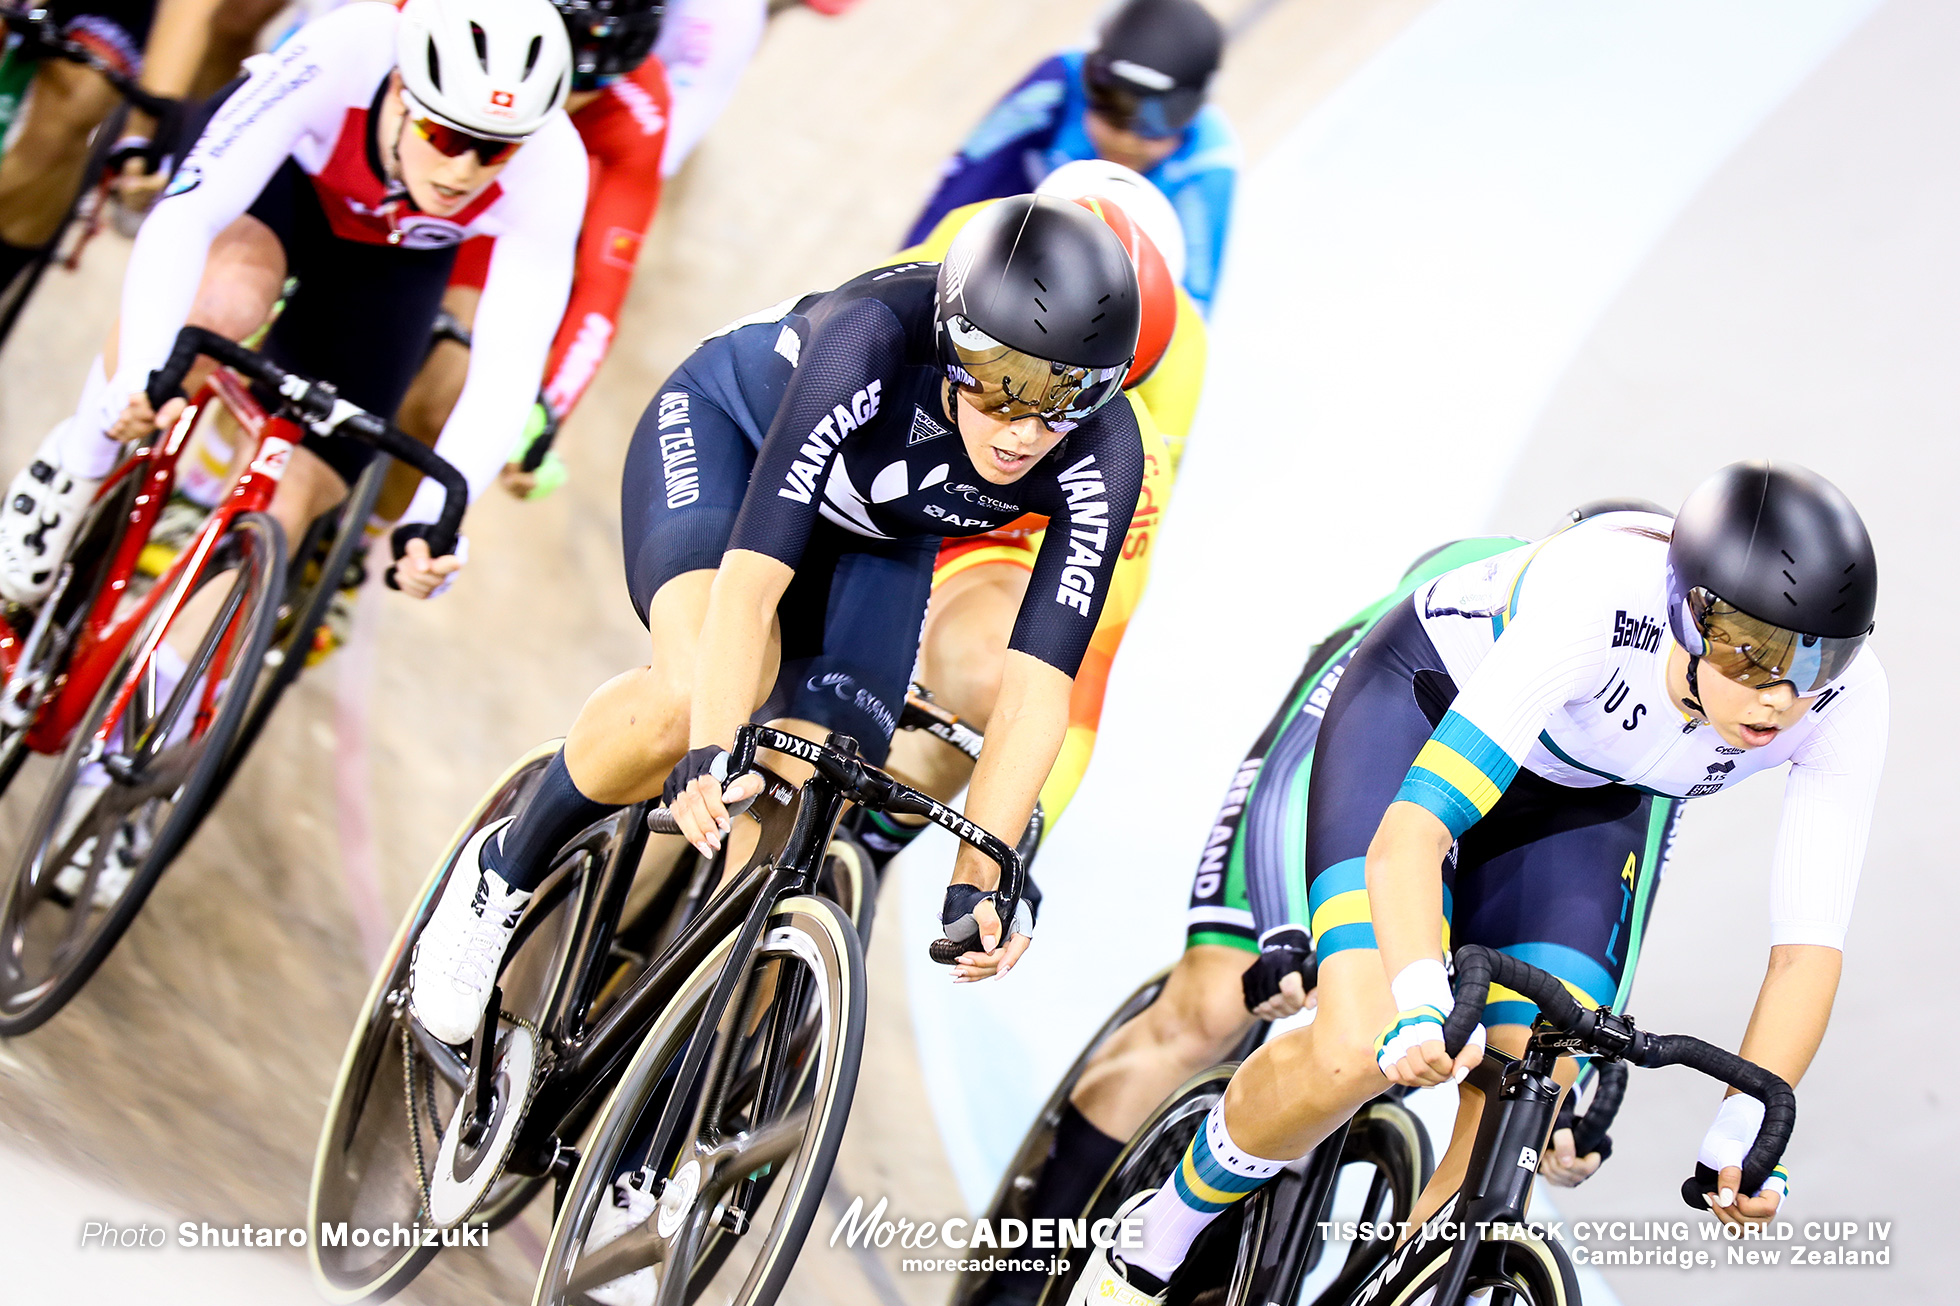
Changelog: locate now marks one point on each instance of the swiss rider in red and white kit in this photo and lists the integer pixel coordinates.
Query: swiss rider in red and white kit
(355, 158)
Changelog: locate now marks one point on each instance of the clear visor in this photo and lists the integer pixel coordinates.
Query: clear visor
(1004, 382)
(1755, 653)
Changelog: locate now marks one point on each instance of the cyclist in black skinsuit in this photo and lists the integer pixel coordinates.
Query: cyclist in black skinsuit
(784, 501)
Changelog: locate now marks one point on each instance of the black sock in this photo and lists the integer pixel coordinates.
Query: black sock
(12, 259)
(1078, 1158)
(554, 813)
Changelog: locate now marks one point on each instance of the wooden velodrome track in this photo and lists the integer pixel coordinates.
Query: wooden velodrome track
(193, 1071)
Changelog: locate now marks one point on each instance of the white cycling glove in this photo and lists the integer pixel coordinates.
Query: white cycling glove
(1423, 1001)
(1727, 1142)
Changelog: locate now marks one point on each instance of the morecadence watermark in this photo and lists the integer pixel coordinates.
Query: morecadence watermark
(858, 1228)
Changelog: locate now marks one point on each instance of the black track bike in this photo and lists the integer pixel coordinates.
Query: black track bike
(722, 1069)
(1265, 1247)
(1456, 1257)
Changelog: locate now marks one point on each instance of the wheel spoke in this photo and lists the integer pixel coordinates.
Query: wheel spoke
(744, 1154)
(635, 1249)
(446, 1061)
(82, 914)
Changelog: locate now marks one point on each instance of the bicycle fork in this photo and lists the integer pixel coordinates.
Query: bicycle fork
(1511, 1134)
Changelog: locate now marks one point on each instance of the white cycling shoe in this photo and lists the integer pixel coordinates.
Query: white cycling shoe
(459, 951)
(43, 511)
(1105, 1279)
(630, 1204)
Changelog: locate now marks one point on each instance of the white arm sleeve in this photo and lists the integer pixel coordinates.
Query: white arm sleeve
(1554, 650)
(705, 45)
(1827, 814)
(524, 296)
(299, 90)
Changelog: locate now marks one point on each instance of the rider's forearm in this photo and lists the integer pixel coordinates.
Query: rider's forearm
(1024, 733)
(175, 51)
(1793, 1008)
(734, 641)
(1405, 885)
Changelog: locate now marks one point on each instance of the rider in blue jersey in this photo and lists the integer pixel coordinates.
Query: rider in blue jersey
(1137, 99)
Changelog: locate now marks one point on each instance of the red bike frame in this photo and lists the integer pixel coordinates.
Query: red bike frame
(105, 635)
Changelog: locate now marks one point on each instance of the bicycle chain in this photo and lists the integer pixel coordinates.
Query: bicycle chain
(409, 1060)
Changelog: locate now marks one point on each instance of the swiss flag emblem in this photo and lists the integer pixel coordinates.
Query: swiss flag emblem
(503, 99)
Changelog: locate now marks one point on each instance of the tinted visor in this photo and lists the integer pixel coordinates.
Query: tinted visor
(1006, 383)
(1155, 115)
(1755, 653)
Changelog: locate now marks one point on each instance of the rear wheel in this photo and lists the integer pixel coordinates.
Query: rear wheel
(1017, 1185)
(739, 1192)
(392, 1100)
(1258, 1249)
(1154, 1151)
(115, 815)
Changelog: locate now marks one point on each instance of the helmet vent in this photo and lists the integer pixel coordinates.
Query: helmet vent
(435, 67)
(482, 46)
(1787, 576)
(531, 59)
(1787, 557)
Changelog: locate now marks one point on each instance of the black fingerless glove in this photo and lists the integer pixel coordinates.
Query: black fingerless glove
(709, 760)
(956, 915)
(1283, 952)
(398, 545)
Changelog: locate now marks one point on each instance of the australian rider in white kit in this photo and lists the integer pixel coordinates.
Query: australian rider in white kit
(1492, 769)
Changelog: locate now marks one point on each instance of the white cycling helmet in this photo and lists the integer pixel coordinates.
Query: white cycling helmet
(489, 67)
(1133, 193)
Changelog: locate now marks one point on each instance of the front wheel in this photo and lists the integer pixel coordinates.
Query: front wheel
(761, 1126)
(117, 812)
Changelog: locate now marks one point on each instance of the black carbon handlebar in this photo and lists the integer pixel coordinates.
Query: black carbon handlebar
(1590, 1131)
(867, 786)
(1602, 1033)
(319, 406)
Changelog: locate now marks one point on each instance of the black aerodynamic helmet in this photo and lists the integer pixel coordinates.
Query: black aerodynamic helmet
(1152, 64)
(1771, 576)
(1038, 310)
(610, 38)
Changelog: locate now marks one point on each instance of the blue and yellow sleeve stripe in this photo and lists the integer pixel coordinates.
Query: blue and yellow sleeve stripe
(1459, 775)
